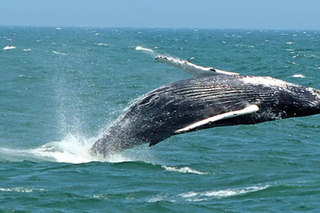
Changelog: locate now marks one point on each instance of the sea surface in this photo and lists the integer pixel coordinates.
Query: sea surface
(62, 87)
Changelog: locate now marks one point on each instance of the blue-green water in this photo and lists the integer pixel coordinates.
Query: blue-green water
(61, 88)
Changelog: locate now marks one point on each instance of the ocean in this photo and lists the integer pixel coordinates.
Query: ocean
(62, 87)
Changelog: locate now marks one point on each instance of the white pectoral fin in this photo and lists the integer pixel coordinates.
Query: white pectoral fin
(191, 68)
(247, 110)
(171, 61)
(223, 72)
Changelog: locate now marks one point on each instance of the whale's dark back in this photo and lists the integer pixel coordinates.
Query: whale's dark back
(158, 114)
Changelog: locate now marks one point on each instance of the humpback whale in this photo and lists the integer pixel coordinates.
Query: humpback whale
(205, 102)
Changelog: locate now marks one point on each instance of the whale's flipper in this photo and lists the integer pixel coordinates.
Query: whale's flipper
(191, 68)
(247, 110)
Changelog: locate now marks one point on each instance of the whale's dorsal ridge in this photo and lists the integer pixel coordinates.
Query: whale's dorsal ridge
(247, 110)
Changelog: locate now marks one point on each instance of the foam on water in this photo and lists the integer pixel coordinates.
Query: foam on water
(183, 170)
(202, 196)
(20, 189)
(194, 196)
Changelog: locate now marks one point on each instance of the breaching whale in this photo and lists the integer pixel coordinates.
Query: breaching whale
(205, 102)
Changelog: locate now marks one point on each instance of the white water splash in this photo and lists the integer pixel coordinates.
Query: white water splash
(69, 150)
(72, 149)
(183, 170)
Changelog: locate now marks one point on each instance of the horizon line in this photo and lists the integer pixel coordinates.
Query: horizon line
(167, 28)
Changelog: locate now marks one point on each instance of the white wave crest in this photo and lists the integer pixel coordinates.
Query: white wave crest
(9, 48)
(20, 189)
(157, 198)
(299, 76)
(202, 196)
(59, 53)
(140, 48)
(183, 170)
(102, 44)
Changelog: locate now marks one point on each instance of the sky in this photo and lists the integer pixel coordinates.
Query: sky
(208, 14)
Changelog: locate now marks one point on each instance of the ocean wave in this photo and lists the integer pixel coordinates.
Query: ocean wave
(102, 44)
(183, 170)
(157, 198)
(194, 196)
(20, 189)
(299, 76)
(140, 48)
(202, 196)
(26, 50)
(59, 53)
(9, 47)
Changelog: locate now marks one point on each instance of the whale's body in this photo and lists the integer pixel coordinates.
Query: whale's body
(206, 102)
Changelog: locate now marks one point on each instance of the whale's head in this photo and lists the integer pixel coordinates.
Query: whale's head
(291, 100)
